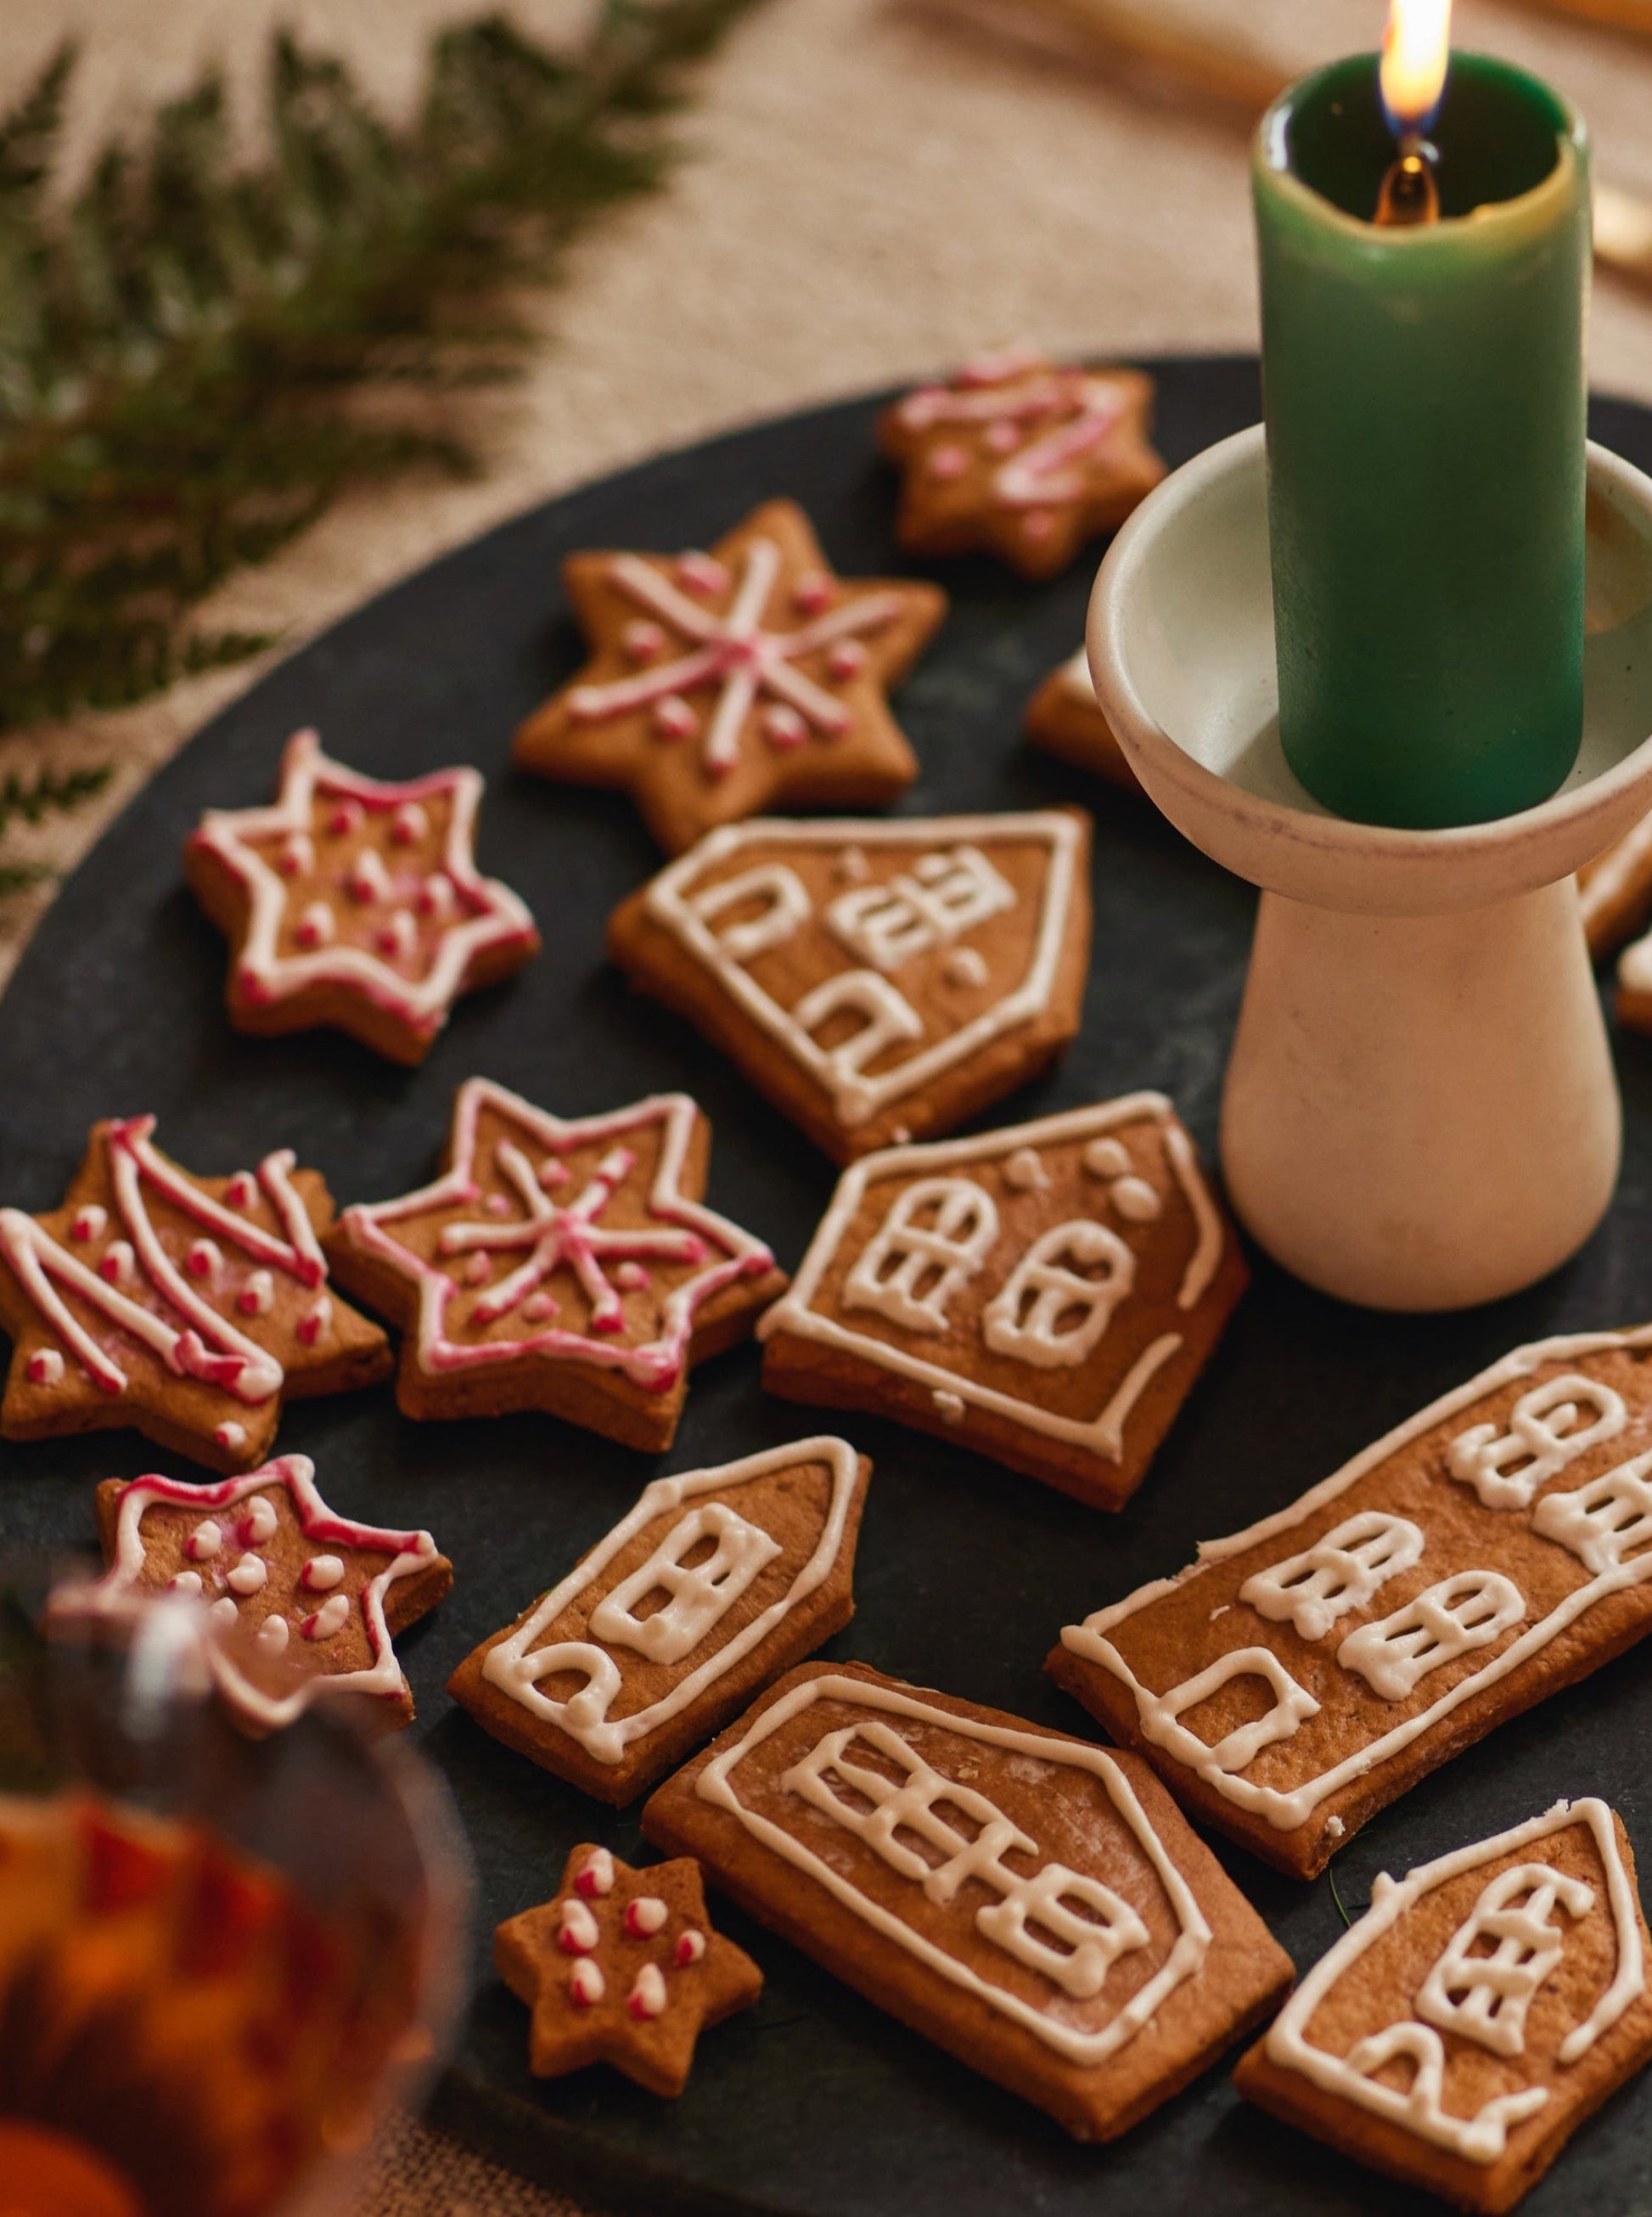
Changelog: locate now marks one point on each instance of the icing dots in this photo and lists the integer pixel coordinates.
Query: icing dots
(408, 824)
(187, 1583)
(316, 1322)
(204, 1542)
(258, 1521)
(322, 1573)
(965, 965)
(205, 1261)
(118, 1265)
(578, 1933)
(329, 1620)
(586, 1984)
(224, 1612)
(273, 1635)
(1024, 1172)
(229, 1436)
(949, 1407)
(594, 1877)
(690, 1948)
(248, 1576)
(257, 1296)
(646, 1999)
(644, 1915)
(673, 717)
(45, 1367)
(88, 1222)
(367, 881)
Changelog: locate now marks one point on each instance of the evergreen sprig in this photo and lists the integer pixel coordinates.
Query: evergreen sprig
(52, 792)
(198, 354)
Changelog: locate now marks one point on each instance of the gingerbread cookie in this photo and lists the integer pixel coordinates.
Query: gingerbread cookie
(1486, 2004)
(611, 1699)
(623, 1967)
(562, 1264)
(303, 1604)
(1615, 890)
(1634, 984)
(1065, 718)
(877, 981)
(1035, 1905)
(1026, 458)
(184, 1306)
(723, 683)
(1304, 1673)
(1045, 1295)
(355, 903)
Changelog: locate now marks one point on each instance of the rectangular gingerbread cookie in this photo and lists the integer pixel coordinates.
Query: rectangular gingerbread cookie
(1462, 2030)
(878, 982)
(1045, 1295)
(1305, 1672)
(716, 1581)
(1035, 1905)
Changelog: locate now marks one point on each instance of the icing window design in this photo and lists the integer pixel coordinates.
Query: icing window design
(1446, 1620)
(786, 909)
(887, 1017)
(1060, 1297)
(1338, 1573)
(1236, 1750)
(933, 1240)
(1485, 1995)
(1089, 1925)
(698, 1595)
(1479, 2139)
(945, 895)
(1604, 1521)
(1548, 1428)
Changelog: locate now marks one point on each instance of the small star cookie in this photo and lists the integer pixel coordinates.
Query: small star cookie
(1025, 458)
(303, 1603)
(623, 1967)
(356, 904)
(1065, 719)
(186, 1307)
(722, 684)
(562, 1265)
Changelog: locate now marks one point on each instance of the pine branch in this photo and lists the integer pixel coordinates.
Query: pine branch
(52, 792)
(22, 877)
(197, 358)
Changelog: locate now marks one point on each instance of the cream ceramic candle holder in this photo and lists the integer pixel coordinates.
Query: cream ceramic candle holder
(1420, 1110)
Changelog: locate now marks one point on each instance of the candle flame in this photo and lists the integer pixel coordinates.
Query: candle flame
(1416, 53)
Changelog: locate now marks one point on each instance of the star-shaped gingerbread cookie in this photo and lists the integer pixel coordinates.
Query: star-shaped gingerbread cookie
(356, 904)
(303, 1603)
(1025, 458)
(566, 1265)
(184, 1306)
(623, 1967)
(726, 683)
(1065, 719)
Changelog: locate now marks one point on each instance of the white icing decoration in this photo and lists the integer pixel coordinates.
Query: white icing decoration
(644, 1915)
(248, 1576)
(1102, 1435)
(1484, 1996)
(1019, 1899)
(515, 1666)
(257, 1296)
(1092, 1940)
(852, 867)
(205, 1346)
(949, 1407)
(1339, 1573)
(88, 1222)
(676, 1228)
(945, 894)
(887, 1018)
(647, 1997)
(224, 1612)
(1606, 1520)
(1135, 1200)
(934, 1239)
(491, 915)
(331, 1618)
(205, 1260)
(204, 1542)
(259, 1523)
(1548, 1428)
(1286, 1809)
(189, 1584)
(786, 907)
(45, 1367)
(1236, 1750)
(698, 1599)
(966, 966)
(595, 1874)
(1037, 459)
(1483, 2137)
(1024, 1173)
(857, 1095)
(1108, 1159)
(579, 1932)
(1050, 1313)
(1452, 1618)
(273, 1635)
(322, 1573)
(118, 1263)
(734, 651)
(690, 1948)
(586, 1983)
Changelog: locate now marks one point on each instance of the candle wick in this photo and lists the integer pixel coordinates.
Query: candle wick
(1409, 195)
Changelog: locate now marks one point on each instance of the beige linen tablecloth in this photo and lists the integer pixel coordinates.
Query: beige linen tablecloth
(879, 185)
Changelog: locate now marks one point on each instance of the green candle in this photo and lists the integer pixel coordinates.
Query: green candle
(1425, 396)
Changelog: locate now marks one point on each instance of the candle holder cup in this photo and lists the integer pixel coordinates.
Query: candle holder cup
(1421, 1111)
